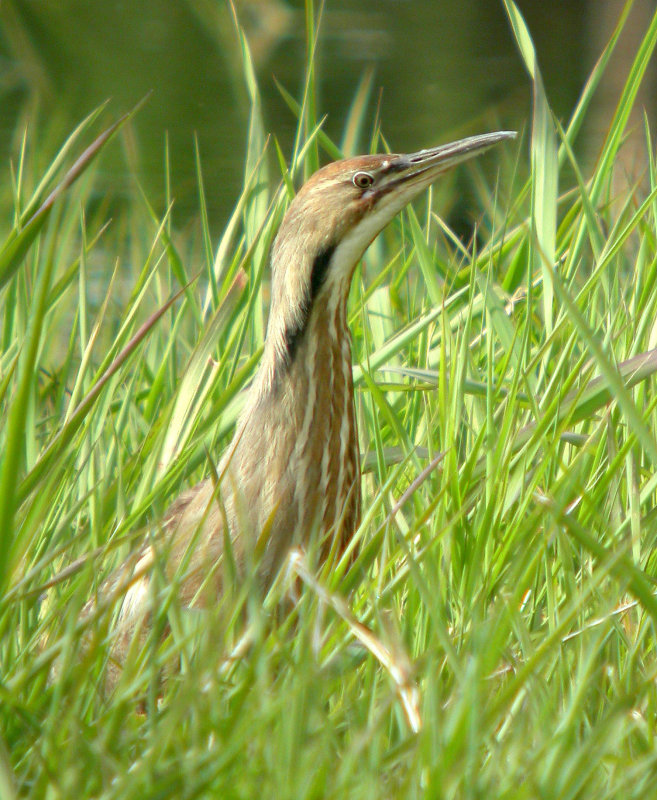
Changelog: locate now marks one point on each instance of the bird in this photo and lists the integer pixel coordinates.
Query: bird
(292, 470)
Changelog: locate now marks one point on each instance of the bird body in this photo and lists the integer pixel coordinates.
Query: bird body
(293, 467)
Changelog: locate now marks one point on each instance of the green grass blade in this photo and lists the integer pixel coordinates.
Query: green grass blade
(18, 243)
(545, 166)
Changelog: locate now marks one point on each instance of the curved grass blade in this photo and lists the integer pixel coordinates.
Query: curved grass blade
(545, 165)
(77, 417)
(196, 382)
(18, 243)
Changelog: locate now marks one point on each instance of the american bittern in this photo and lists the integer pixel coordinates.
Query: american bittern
(294, 464)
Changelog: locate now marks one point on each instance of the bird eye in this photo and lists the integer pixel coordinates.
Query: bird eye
(363, 180)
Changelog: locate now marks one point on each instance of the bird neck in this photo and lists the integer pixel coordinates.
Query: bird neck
(298, 443)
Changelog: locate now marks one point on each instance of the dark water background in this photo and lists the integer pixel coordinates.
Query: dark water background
(442, 69)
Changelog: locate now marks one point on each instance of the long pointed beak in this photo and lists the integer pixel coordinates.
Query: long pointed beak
(405, 176)
(423, 167)
(445, 156)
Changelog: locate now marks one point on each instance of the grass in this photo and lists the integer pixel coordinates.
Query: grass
(505, 570)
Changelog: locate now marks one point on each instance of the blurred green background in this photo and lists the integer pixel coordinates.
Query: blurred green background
(441, 69)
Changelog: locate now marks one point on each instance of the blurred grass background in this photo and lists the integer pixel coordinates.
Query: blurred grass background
(439, 71)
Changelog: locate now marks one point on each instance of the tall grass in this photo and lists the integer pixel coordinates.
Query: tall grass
(503, 588)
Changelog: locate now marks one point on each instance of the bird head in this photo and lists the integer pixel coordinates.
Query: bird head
(334, 218)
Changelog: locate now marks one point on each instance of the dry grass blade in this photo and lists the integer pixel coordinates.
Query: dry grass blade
(19, 242)
(76, 418)
(397, 664)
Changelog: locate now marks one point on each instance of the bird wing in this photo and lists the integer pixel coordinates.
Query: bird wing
(185, 552)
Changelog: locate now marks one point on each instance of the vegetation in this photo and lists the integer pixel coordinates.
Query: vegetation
(494, 637)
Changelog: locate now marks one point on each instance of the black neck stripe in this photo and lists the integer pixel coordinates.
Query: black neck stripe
(319, 270)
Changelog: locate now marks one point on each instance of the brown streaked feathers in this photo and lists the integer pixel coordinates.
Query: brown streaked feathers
(293, 467)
